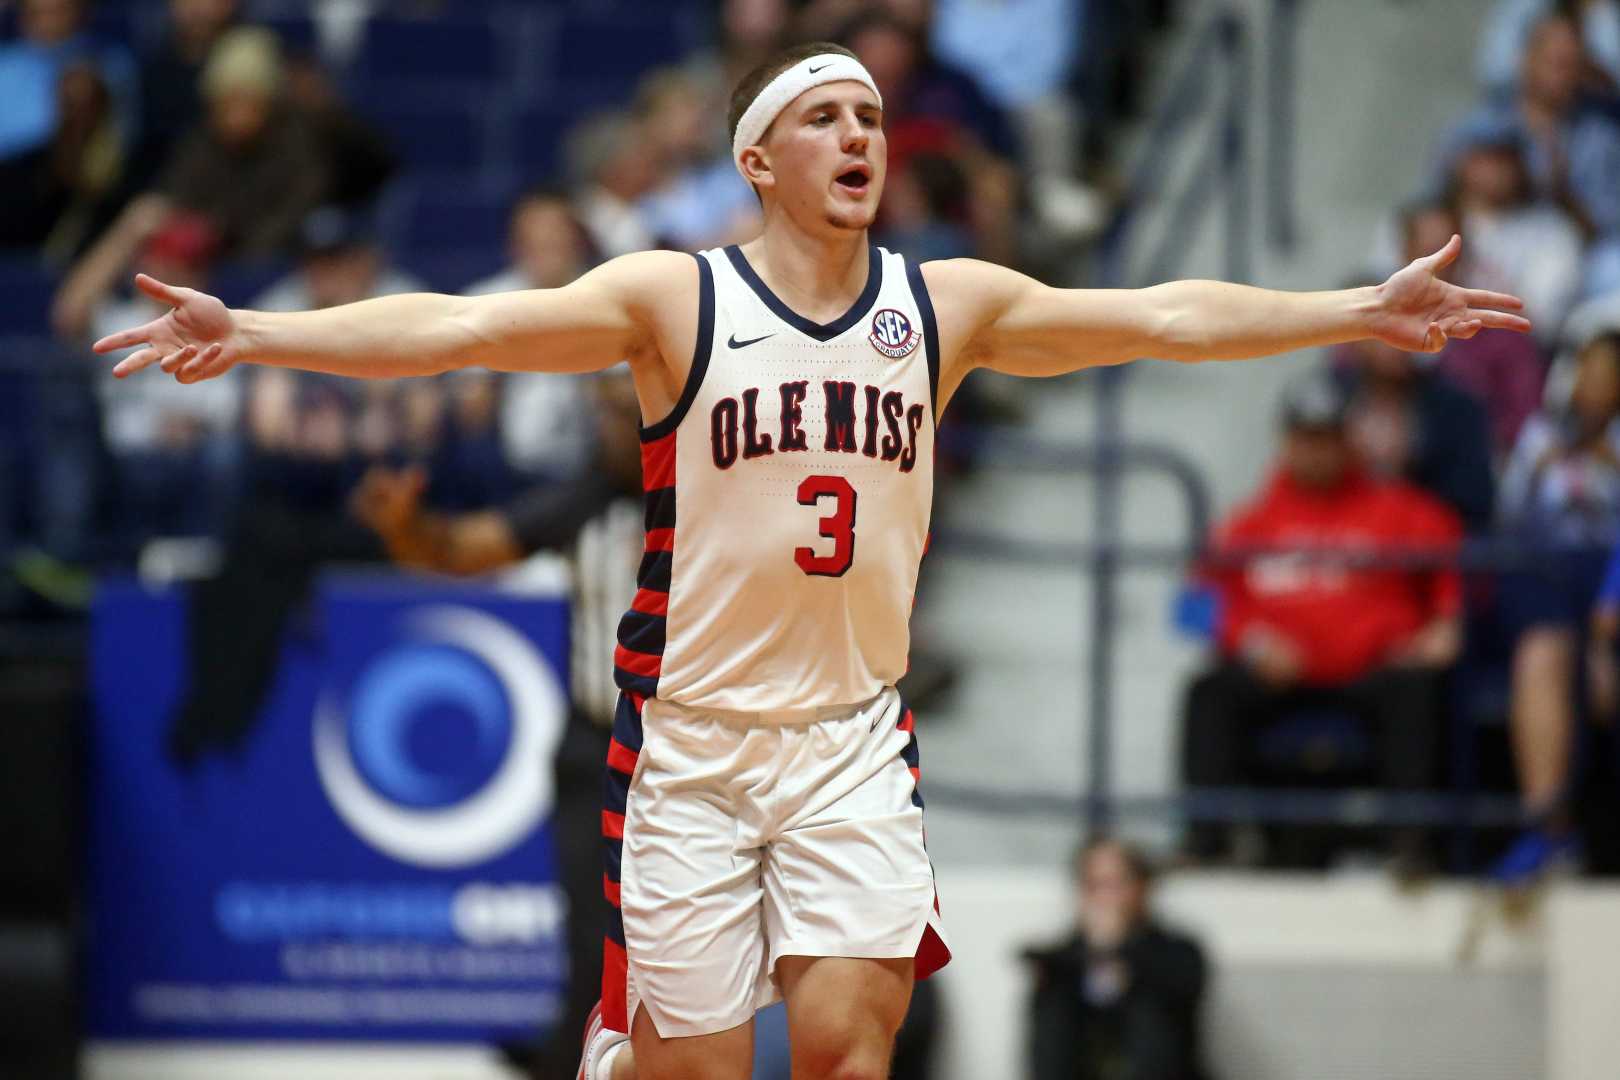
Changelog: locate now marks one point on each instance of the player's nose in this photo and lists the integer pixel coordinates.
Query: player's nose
(852, 134)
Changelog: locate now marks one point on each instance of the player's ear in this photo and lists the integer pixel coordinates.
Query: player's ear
(757, 167)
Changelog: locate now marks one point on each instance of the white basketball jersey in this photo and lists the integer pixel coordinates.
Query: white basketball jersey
(788, 496)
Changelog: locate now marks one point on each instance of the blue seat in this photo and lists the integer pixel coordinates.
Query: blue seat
(440, 50)
(536, 136)
(454, 215)
(598, 58)
(431, 137)
(29, 288)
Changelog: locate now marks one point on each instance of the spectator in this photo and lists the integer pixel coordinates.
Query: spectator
(1561, 497)
(1122, 996)
(1528, 247)
(251, 168)
(924, 211)
(1297, 631)
(1026, 76)
(175, 453)
(545, 424)
(703, 201)
(1511, 22)
(359, 160)
(55, 198)
(1406, 421)
(1573, 146)
(1503, 371)
(611, 173)
(312, 431)
(930, 108)
(52, 37)
(171, 77)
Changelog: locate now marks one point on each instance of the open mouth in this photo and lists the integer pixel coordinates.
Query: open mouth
(856, 179)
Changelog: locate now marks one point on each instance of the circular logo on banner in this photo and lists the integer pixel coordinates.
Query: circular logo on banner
(892, 334)
(442, 758)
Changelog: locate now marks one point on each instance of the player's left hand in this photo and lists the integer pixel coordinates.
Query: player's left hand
(1418, 310)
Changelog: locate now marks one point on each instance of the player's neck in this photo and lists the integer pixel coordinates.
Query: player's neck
(817, 276)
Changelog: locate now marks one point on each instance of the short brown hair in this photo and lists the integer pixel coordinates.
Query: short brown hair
(749, 86)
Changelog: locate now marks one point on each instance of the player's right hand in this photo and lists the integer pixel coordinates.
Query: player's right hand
(197, 334)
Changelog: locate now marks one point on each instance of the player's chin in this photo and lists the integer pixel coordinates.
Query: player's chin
(845, 214)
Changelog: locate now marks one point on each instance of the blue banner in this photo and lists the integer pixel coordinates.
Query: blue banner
(374, 863)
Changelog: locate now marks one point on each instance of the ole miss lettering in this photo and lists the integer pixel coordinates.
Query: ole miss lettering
(859, 420)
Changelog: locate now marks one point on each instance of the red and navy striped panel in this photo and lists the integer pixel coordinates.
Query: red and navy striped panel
(623, 750)
(911, 756)
(639, 658)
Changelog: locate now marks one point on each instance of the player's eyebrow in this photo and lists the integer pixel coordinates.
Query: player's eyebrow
(829, 103)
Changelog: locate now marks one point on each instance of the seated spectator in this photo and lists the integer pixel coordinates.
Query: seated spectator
(1511, 22)
(252, 168)
(52, 37)
(929, 108)
(1516, 243)
(1303, 631)
(924, 211)
(1504, 371)
(1122, 996)
(1572, 144)
(1406, 421)
(174, 449)
(1026, 76)
(1561, 498)
(544, 422)
(53, 200)
(703, 201)
(313, 433)
(610, 174)
(171, 76)
(358, 159)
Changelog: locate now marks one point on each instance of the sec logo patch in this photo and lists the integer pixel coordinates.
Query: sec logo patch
(892, 334)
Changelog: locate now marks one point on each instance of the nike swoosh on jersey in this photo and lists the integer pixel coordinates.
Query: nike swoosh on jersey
(735, 344)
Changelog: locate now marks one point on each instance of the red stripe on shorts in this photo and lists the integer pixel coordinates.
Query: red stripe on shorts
(907, 721)
(621, 757)
(610, 889)
(660, 540)
(638, 663)
(650, 602)
(612, 825)
(615, 986)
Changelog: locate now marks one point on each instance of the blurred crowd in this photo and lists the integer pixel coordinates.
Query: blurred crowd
(287, 155)
(1375, 659)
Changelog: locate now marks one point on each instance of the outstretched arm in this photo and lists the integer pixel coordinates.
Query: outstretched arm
(997, 318)
(615, 312)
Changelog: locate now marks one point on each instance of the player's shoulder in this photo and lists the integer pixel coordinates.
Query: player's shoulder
(649, 271)
(969, 282)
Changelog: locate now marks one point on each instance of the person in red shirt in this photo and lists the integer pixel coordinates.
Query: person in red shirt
(1299, 631)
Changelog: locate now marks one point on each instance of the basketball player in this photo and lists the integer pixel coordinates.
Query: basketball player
(764, 830)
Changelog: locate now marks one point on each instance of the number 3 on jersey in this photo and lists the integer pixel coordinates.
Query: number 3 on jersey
(839, 526)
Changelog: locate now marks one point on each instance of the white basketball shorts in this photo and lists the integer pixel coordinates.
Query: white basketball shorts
(735, 839)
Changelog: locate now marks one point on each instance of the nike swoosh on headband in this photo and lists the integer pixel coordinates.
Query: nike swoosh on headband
(823, 67)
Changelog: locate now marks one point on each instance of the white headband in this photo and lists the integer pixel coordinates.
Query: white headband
(825, 68)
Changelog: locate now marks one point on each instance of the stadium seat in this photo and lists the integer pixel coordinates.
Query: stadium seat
(441, 50)
(449, 215)
(1317, 743)
(536, 136)
(28, 288)
(433, 137)
(591, 77)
